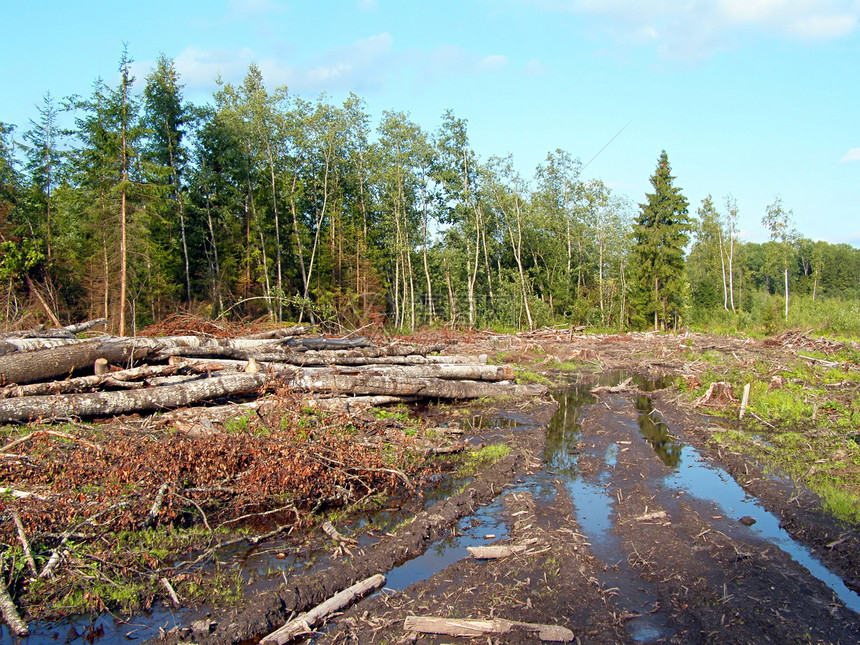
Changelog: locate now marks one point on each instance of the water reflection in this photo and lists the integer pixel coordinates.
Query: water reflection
(656, 433)
(562, 438)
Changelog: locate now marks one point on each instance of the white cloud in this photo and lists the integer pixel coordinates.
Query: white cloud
(851, 155)
(367, 5)
(696, 28)
(198, 68)
(535, 67)
(357, 66)
(493, 63)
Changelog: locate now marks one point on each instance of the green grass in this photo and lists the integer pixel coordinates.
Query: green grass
(476, 460)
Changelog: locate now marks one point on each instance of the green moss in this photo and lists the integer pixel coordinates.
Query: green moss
(486, 456)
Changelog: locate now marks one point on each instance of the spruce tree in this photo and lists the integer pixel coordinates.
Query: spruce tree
(660, 235)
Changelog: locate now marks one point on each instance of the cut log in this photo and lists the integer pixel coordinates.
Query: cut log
(495, 552)
(465, 628)
(86, 383)
(304, 623)
(283, 332)
(447, 372)
(304, 344)
(45, 364)
(123, 402)
(77, 328)
(314, 359)
(397, 386)
(14, 345)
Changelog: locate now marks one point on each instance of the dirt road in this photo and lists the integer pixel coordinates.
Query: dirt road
(634, 533)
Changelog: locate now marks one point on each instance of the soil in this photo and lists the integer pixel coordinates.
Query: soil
(668, 567)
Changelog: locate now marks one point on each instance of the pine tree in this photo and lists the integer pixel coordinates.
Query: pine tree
(166, 117)
(660, 235)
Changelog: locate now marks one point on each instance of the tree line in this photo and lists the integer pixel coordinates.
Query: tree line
(262, 203)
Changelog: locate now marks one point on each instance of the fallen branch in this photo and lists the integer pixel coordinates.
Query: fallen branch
(170, 590)
(304, 623)
(467, 628)
(25, 543)
(621, 387)
(10, 612)
(334, 534)
(52, 433)
(744, 401)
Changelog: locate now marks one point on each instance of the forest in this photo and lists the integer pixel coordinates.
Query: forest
(264, 204)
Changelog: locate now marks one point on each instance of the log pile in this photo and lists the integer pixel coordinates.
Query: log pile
(53, 375)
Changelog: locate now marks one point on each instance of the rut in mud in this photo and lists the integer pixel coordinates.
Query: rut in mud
(633, 535)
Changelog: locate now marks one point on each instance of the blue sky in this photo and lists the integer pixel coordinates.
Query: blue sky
(757, 98)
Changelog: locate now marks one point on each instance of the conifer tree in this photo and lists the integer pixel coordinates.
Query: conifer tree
(660, 235)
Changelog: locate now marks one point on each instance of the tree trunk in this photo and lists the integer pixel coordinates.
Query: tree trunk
(44, 364)
(126, 401)
(396, 386)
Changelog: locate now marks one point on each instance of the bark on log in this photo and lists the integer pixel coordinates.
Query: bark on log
(434, 369)
(77, 328)
(15, 345)
(10, 612)
(44, 364)
(423, 387)
(85, 383)
(124, 402)
(465, 628)
(495, 552)
(304, 623)
(305, 344)
(447, 372)
(311, 358)
(284, 332)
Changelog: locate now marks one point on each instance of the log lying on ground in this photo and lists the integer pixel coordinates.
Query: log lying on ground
(10, 612)
(64, 406)
(495, 552)
(85, 383)
(304, 623)
(458, 371)
(398, 386)
(466, 628)
(44, 364)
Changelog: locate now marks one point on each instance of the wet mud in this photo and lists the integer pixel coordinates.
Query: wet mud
(633, 530)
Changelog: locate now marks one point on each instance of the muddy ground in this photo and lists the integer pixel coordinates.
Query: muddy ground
(613, 496)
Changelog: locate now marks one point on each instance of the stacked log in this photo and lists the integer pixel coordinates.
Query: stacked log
(152, 374)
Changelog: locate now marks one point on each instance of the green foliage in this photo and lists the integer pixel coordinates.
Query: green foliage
(477, 459)
(660, 235)
(262, 203)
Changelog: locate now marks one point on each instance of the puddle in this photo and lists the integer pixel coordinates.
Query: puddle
(656, 433)
(710, 483)
(595, 506)
(89, 629)
(470, 531)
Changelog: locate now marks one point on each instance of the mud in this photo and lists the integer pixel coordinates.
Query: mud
(636, 531)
